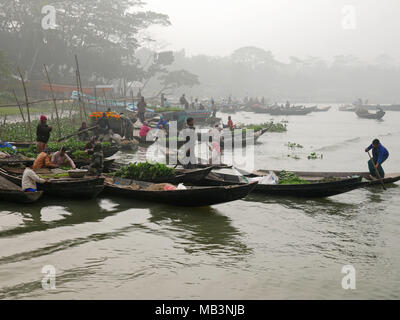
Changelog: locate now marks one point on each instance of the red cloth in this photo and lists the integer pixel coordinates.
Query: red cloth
(230, 124)
(43, 117)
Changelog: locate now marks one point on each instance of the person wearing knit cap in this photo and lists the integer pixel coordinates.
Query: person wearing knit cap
(42, 134)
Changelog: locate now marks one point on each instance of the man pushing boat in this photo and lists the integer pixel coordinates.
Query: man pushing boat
(379, 156)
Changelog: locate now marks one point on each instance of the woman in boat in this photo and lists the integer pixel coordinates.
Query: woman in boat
(379, 156)
(144, 130)
(42, 134)
(43, 161)
(29, 180)
(61, 158)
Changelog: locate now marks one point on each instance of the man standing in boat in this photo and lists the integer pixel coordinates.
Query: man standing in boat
(42, 134)
(191, 137)
(141, 109)
(379, 156)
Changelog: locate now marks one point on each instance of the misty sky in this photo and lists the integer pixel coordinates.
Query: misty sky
(286, 27)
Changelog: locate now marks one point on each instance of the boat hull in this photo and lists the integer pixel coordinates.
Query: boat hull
(192, 197)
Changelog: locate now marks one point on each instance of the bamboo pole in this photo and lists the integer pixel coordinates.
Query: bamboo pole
(27, 103)
(54, 100)
(19, 106)
(105, 98)
(80, 85)
(79, 96)
(95, 97)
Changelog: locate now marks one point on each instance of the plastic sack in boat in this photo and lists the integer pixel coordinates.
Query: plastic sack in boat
(181, 187)
(169, 187)
(271, 178)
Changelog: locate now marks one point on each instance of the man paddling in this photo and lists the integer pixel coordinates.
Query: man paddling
(379, 156)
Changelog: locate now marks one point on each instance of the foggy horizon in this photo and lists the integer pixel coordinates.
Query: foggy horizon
(286, 28)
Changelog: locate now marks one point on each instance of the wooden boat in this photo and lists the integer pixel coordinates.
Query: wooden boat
(324, 109)
(129, 146)
(361, 113)
(191, 197)
(316, 188)
(107, 163)
(84, 188)
(181, 175)
(315, 176)
(144, 143)
(293, 111)
(22, 144)
(110, 151)
(10, 192)
(199, 115)
(225, 141)
(348, 108)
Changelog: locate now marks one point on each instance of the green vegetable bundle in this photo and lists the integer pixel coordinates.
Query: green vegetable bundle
(286, 177)
(145, 171)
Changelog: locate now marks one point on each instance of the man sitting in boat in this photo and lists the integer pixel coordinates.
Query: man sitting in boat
(379, 156)
(29, 180)
(97, 164)
(162, 123)
(42, 134)
(83, 134)
(230, 123)
(61, 158)
(144, 130)
(90, 144)
(43, 161)
(103, 124)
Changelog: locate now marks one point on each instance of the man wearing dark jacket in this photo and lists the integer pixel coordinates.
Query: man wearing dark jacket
(42, 134)
(379, 156)
(141, 109)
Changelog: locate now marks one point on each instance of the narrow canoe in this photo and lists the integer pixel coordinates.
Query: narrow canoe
(191, 197)
(20, 196)
(315, 176)
(314, 189)
(84, 188)
(10, 192)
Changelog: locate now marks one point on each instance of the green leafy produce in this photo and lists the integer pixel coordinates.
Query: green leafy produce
(145, 171)
(80, 155)
(286, 177)
(271, 126)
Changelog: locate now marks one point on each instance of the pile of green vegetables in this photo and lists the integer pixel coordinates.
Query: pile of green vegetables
(74, 147)
(271, 126)
(286, 177)
(145, 171)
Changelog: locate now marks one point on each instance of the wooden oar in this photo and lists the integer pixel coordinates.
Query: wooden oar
(75, 134)
(376, 171)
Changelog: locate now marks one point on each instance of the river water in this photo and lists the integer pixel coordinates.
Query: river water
(256, 248)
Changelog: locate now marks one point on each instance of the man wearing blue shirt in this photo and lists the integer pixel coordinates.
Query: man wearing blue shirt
(379, 156)
(162, 123)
